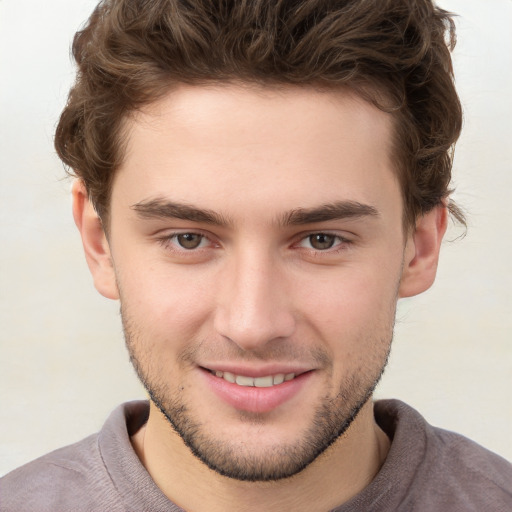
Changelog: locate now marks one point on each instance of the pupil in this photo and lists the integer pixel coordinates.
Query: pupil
(189, 240)
(321, 241)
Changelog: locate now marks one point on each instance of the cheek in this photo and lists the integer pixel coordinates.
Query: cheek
(353, 317)
(351, 299)
(165, 302)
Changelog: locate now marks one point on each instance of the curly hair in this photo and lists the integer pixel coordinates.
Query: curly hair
(393, 53)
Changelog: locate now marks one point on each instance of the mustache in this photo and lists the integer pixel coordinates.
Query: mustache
(278, 351)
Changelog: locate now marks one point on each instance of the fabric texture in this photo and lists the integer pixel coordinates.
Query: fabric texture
(427, 470)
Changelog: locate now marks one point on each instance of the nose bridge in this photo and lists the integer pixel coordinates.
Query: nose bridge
(253, 307)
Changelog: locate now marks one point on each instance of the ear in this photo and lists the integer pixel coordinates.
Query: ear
(94, 240)
(422, 252)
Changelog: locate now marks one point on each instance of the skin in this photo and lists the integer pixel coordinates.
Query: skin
(255, 169)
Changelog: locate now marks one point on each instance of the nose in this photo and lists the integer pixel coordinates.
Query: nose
(254, 308)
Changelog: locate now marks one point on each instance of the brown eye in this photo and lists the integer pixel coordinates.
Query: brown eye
(189, 240)
(322, 241)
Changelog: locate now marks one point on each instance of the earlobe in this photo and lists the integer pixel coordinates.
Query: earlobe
(422, 252)
(95, 243)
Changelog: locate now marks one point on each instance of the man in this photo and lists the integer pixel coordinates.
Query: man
(258, 183)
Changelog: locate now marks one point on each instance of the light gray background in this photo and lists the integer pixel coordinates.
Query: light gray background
(63, 365)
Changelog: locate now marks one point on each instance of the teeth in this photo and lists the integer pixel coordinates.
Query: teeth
(244, 381)
(279, 378)
(264, 382)
(258, 382)
(229, 377)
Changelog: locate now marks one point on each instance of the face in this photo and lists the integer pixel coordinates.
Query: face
(257, 244)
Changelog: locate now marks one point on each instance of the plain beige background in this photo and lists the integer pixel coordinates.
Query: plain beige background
(63, 365)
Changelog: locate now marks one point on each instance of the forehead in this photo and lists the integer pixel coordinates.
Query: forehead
(244, 148)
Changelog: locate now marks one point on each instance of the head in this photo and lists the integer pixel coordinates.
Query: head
(259, 183)
(393, 54)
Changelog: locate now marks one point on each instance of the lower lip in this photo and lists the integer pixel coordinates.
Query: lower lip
(253, 399)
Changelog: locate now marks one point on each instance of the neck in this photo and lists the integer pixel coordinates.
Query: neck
(336, 476)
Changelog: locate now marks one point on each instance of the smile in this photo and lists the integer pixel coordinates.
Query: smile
(261, 391)
(258, 382)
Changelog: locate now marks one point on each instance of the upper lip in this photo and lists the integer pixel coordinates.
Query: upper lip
(257, 371)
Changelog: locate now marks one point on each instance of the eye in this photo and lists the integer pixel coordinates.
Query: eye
(188, 241)
(188, 246)
(321, 241)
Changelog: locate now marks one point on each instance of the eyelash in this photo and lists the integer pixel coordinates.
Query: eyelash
(167, 241)
(340, 243)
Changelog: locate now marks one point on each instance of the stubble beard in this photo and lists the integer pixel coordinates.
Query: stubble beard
(331, 419)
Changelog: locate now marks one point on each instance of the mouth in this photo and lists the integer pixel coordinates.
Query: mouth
(266, 381)
(256, 390)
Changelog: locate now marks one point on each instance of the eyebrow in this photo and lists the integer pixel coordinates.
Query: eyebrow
(164, 209)
(331, 211)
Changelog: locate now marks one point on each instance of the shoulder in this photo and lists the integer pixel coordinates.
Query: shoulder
(446, 469)
(66, 479)
(83, 476)
(477, 476)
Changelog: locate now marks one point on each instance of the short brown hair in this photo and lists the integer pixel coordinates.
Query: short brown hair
(132, 52)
